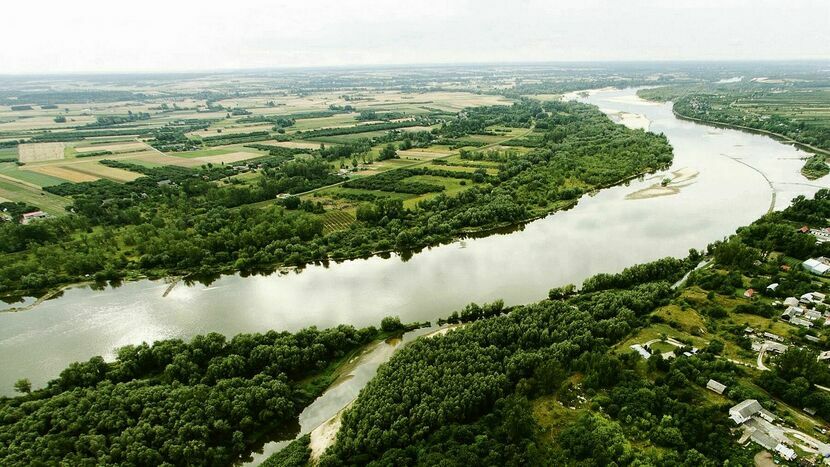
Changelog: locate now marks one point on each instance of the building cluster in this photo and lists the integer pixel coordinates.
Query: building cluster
(758, 426)
(805, 312)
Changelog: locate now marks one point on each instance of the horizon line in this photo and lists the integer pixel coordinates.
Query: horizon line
(197, 71)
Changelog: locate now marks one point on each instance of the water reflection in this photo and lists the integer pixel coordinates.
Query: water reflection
(603, 233)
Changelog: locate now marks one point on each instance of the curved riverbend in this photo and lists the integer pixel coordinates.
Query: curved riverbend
(605, 232)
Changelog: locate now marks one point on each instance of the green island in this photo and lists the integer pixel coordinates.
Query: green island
(290, 206)
(791, 110)
(648, 366)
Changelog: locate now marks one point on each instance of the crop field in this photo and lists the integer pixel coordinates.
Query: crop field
(228, 158)
(218, 130)
(35, 179)
(96, 169)
(115, 148)
(63, 172)
(294, 144)
(47, 202)
(336, 220)
(38, 152)
(155, 157)
(421, 154)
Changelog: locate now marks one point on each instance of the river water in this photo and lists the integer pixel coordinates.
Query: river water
(723, 179)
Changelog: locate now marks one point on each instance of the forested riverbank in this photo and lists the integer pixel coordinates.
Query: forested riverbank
(176, 221)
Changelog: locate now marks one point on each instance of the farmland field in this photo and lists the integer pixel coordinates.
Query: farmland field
(64, 173)
(96, 169)
(119, 147)
(228, 158)
(38, 152)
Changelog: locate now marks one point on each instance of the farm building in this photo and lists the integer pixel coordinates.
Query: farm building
(743, 411)
(815, 266)
(790, 301)
(715, 386)
(801, 322)
(774, 337)
(33, 216)
(749, 293)
(776, 347)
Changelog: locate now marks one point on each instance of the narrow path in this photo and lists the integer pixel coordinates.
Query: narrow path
(761, 353)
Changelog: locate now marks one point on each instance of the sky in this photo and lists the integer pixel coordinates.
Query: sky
(55, 36)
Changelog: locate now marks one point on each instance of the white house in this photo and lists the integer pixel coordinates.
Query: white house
(815, 266)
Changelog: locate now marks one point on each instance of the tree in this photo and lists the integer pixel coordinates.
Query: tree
(391, 324)
(388, 152)
(23, 386)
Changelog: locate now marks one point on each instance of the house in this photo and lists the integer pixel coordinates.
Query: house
(33, 216)
(165, 182)
(715, 386)
(792, 312)
(764, 439)
(813, 315)
(785, 452)
(775, 347)
(640, 350)
(818, 296)
(804, 229)
(812, 338)
(785, 267)
(772, 286)
(801, 322)
(749, 293)
(790, 301)
(815, 266)
(774, 337)
(824, 355)
(743, 411)
(809, 411)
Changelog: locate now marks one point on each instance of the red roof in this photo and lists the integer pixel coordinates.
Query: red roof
(804, 229)
(749, 293)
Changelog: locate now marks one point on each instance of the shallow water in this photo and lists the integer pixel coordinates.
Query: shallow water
(605, 232)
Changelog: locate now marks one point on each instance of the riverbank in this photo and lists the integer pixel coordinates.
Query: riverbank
(207, 277)
(811, 175)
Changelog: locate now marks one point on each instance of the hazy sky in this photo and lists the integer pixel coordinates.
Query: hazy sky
(52, 36)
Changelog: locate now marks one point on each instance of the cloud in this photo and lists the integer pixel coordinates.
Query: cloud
(156, 35)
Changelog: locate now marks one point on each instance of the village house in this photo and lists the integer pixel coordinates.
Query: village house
(801, 322)
(715, 386)
(815, 266)
(33, 216)
(774, 337)
(790, 301)
(743, 411)
(749, 293)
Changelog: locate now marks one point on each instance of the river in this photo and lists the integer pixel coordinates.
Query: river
(722, 179)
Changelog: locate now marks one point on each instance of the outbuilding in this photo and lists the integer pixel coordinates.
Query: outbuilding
(715, 386)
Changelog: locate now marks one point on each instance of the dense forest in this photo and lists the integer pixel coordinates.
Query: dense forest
(183, 221)
(204, 402)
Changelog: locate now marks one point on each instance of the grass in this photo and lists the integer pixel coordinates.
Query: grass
(12, 170)
(47, 202)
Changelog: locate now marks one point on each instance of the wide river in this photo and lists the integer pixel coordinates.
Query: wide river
(722, 179)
